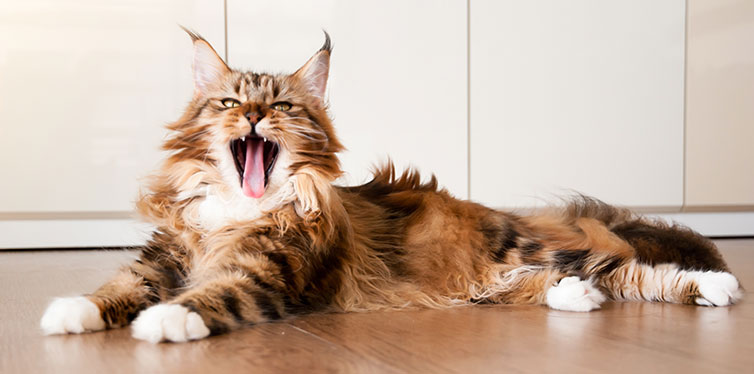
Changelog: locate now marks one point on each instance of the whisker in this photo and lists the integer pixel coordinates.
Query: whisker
(320, 138)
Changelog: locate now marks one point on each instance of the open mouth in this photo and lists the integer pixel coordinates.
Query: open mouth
(254, 157)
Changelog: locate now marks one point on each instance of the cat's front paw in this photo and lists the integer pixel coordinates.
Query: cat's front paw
(575, 295)
(718, 289)
(168, 322)
(71, 315)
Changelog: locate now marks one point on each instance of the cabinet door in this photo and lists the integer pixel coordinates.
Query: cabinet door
(86, 87)
(720, 105)
(577, 95)
(397, 81)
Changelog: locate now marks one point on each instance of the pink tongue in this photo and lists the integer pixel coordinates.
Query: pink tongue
(253, 171)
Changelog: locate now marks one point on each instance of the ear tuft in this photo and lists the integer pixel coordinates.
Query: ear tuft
(194, 36)
(315, 72)
(209, 68)
(327, 47)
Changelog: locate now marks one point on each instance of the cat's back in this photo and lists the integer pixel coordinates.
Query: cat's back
(406, 198)
(419, 228)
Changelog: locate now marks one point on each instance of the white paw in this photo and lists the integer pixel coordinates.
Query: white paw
(71, 315)
(168, 322)
(718, 289)
(575, 295)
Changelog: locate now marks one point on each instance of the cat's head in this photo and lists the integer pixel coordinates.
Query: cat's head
(260, 138)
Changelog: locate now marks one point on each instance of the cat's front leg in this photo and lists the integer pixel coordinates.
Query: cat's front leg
(71, 315)
(224, 303)
(114, 304)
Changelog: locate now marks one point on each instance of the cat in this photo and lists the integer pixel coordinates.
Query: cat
(250, 228)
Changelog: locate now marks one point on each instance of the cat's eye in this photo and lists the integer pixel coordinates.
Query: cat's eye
(230, 103)
(282, 106)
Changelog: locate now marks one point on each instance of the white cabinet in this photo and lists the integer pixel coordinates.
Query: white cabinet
(86, 87)
(577, 95)
(559, 96)
(398, 75)
(720, 105)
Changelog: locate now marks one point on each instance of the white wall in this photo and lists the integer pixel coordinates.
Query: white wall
(580, 96)
(85, 89)
(720, 105)
(584, 95)
(398, 75)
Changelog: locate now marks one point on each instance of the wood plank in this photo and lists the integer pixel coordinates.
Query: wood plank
(30, 279)
(622, 337)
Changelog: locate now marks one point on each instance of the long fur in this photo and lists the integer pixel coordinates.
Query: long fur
(394, 242)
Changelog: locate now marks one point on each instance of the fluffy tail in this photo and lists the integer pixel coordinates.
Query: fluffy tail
(655, 242)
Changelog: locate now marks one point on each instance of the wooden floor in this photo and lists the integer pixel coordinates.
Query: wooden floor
(622, 337)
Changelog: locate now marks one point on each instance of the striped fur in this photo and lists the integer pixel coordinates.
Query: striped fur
(394, 242)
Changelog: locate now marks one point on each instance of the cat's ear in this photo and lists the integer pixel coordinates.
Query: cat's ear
(315, 72)
(208, 67)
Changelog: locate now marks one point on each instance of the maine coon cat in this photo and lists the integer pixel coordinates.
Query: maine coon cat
(250, 229)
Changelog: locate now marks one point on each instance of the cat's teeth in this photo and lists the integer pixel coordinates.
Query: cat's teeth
(243, 138)
(265, 140)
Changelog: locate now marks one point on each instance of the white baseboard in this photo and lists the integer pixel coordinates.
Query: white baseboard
(72, 233)
(714, 224)
(100, 233)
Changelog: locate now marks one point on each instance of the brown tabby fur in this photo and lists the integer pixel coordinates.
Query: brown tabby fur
(393, 242)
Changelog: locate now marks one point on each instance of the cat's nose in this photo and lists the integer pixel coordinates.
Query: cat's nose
(253, 117)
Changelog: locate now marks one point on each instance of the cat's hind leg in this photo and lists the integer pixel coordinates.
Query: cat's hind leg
(551, 287)
(574, 294)
(669, 283)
